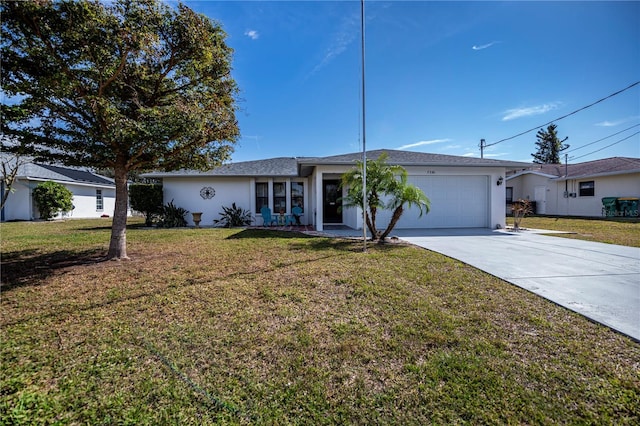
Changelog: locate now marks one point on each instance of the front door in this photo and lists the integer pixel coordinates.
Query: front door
(331, 206)
(540, 196)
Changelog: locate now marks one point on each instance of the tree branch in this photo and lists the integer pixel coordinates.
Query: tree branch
(52, 51)
(123, 62)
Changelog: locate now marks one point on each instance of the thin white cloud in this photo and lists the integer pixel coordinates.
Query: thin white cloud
(609, 123)
(423, 143)
(470, 154)
(484, 46)
(253, 137)
(614, 123)
(345, 35)
(252, 34)
(514, 113)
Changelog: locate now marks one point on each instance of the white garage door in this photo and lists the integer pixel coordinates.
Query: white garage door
(456, 202)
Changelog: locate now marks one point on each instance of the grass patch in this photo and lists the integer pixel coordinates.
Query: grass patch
(625, 232)
(219, 326)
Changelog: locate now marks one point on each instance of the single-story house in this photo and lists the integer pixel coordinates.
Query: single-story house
(577, 189)
(93, 195)
(465, 192)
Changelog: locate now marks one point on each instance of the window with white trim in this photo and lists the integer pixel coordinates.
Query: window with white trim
(99, 200)
(279, 197)
(262, 195)
(587, 189)
(297, 195)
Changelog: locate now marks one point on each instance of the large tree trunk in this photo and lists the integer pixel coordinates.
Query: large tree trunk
(397, 213)
(118, 243)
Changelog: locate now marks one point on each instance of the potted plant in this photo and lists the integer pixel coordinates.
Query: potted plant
(197, 218)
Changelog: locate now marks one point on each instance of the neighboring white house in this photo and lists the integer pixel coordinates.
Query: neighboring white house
(577, 189)
(93, 195)
(464, 192)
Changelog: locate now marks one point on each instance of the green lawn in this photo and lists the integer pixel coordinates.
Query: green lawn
(623, 231)
(211, 326)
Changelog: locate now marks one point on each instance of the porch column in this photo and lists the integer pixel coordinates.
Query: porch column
(252, 200)
(318, 207)
(287, 194)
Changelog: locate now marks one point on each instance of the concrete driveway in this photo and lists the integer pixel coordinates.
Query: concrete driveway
(599, 281)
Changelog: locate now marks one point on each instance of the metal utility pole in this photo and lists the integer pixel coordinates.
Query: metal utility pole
(482, 145)
(566, 174)
(364, 138)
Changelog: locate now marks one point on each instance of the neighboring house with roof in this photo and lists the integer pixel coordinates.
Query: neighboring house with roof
(93, 195)
(465, 192)
(576, 189)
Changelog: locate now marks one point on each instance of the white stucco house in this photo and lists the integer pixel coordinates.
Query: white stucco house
(93, 195)
(578, 189)
(465, 192)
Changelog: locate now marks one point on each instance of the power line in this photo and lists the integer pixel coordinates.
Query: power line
(565, 116)
(605, 147)
(599, 140)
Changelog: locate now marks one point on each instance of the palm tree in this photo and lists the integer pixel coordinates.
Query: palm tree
(379, 174)
(383, 180)
(404, 193)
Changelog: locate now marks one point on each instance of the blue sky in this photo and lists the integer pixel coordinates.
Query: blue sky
(439, 76)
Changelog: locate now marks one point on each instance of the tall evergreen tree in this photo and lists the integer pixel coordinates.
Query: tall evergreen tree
(549, 146)
(129, 85)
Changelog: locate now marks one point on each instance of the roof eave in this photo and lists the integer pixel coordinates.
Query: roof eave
(593, 175)
(220, 175)
(510, 165)
(531, 172)
(62, 181)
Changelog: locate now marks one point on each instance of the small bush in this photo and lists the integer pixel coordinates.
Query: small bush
(521, 208)
(173, 216)
(52, 198)
(146, 199)
(233, 216)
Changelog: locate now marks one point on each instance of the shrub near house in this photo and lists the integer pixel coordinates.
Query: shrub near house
(234, 216)
(52, 198)
(146, 199)
(173, 216)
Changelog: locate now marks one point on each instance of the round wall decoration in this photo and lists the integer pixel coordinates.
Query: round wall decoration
(207, 192)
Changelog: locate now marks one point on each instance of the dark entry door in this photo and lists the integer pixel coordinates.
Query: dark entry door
(331, 193)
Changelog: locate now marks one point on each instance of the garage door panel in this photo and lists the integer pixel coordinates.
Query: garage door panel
(456, 202)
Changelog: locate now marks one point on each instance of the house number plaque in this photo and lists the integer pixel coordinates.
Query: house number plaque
(207, 192)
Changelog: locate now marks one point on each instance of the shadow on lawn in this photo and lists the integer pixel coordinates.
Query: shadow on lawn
(107, 227)
(24, 268)
(313, 242)
(267, 233)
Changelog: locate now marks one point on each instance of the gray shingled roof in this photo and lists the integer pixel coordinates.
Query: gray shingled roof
(59, 173)
(288, 166)
(409, 158)
(282, 166)
(605, 166)
(78, 175)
